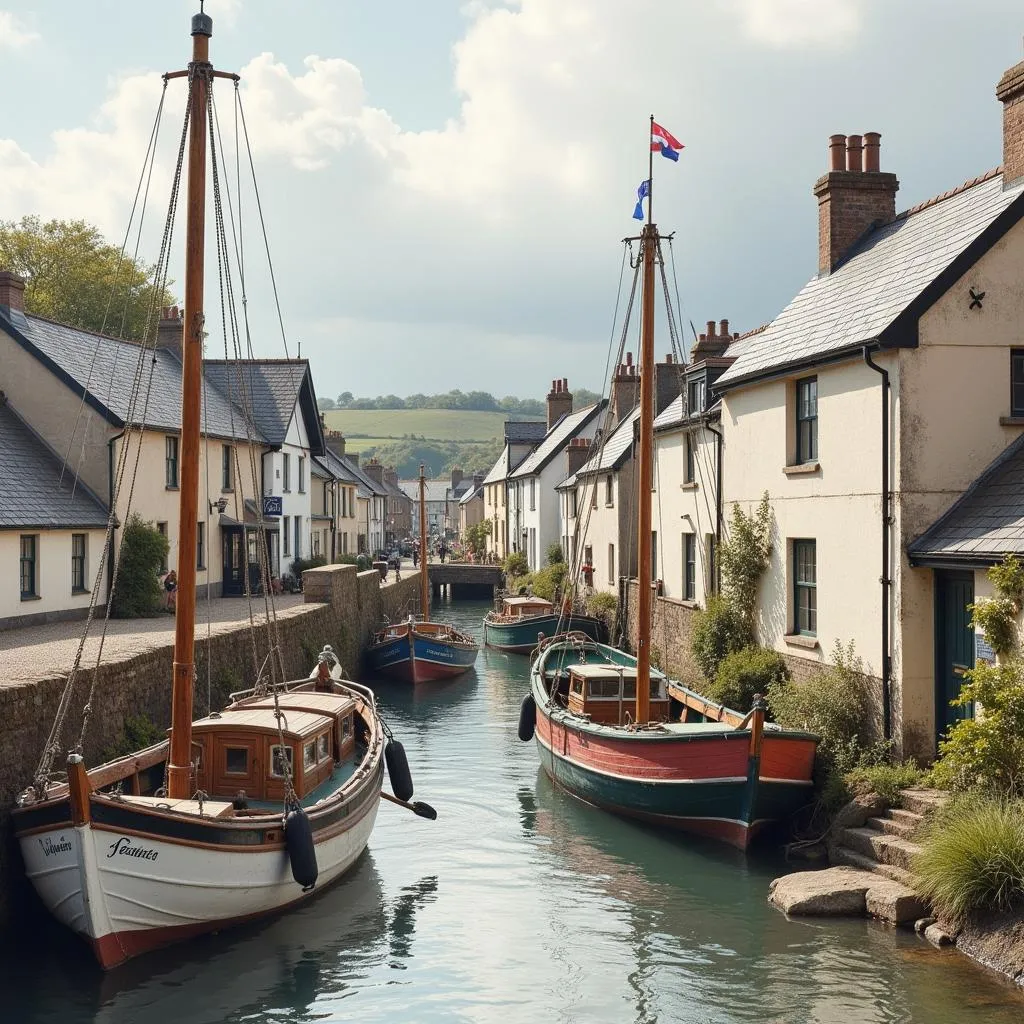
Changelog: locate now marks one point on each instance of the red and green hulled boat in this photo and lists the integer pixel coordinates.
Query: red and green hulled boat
(523, 621)
(693, 766)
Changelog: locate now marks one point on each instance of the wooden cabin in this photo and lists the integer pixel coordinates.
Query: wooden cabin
(607, 694)
(513, 608)
(240, 749)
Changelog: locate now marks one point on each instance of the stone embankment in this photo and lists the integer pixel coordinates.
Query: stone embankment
(872, 849)
(342, 608)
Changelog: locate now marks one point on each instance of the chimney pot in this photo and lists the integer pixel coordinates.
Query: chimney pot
(629, 358)
(711, 328)
(837, 153)
(12, 291)
(872, 143)
(668, 358)
(724, 329)
(854, 153)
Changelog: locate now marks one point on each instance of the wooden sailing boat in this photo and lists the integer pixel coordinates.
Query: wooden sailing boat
(243, 812)
(614, 732)
(519, 623)
(418, 650)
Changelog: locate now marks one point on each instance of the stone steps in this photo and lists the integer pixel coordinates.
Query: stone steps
(883, 847)
(923, 801)
(893, 826)
(843, 855)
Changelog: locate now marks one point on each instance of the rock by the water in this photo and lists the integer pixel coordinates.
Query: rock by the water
(921, 923)
(937, 935)
(997, 941)
(831, 892)
(894, 902)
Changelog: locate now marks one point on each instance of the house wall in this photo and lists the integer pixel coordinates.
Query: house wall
(155, 502)
(297, 499)
(685, 508)
(838, 506)
(599, 527)
(69, 426)
(470, 514)
(53, 577)
(496, 511)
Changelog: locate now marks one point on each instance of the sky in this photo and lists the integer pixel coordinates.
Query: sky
(446, 183)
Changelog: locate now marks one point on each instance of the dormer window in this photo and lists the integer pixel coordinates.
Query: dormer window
(695, 396)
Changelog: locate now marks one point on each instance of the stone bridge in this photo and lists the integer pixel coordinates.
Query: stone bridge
(464, 580)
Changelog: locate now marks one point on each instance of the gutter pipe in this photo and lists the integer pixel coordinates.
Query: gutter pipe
(718, 496)
(885, 581)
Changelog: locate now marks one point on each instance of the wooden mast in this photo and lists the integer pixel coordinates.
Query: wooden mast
(179, 783)
(424, 575)
(645, 568)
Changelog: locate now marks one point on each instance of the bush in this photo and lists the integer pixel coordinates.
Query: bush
(973, 857)
(833, 703)
(744, 556)
(885, 779)
(742, 674)
(718, 631)
(137, 590)
(987, 752)
(516, 564)
(605, 606)
(139, 732)
(547, 582)
(554, 554)
(300, 565)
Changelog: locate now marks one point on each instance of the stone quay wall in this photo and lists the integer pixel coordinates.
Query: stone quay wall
(343, 607)
(671, 631)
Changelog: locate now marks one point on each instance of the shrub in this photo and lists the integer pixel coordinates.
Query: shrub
(742, 674)
(300, 565)
(605, 606)
(547, 582)
(137, 591)
(987, 752)
(516, 564)
(885, 779)
(139, 731)
(554, 554)
(972, 857)
(744, 557)
(718, 630)
(832, 703)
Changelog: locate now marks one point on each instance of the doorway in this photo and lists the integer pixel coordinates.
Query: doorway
(233, 561)
(954, 645)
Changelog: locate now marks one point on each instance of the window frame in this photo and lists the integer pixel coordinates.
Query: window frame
(654, 555)
(228, 770)
(200, 544)
(286, 525)
(172, 465)
(689, 567)
(609, 491)
(32, 561)
(696, 395)
(611, 564)
(286, 472)
(302, 474)
(801, 586)
(1016, 357)
(691, 461)
(227, 468)
(79, 563)
(805, 450)
(289, 757)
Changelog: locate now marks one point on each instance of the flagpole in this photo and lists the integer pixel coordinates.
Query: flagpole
(650, 175)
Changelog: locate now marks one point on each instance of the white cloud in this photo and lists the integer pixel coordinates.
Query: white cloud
(799, 23)
(14, 34)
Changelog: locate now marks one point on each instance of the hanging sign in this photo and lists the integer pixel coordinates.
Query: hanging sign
(272, 506)
(983, 649)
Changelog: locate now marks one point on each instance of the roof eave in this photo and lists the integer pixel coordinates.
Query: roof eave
(954, 560)
(845, 354)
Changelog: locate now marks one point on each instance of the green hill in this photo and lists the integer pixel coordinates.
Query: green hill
(373, 427)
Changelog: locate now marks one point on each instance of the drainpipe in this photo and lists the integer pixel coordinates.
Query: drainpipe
(111, 549)
(718, 496)
(886, 523)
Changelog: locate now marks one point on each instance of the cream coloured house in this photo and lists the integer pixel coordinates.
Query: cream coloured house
(73, 389)
(866, 409)
(521, 436)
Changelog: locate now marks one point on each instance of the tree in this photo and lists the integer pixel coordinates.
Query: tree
(345, 399)
(74, 276)
(325, 404)
(137, 592)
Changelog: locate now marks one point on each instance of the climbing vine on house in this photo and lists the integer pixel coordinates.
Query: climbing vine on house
(744, 556)
(997, 616)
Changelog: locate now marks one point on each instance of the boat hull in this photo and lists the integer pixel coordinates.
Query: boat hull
(710, 785)
(414, 658)
(132, 879)
(520, 637)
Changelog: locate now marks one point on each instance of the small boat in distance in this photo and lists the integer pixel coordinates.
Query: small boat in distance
(612, 730)
(418, 650)
(523, 620)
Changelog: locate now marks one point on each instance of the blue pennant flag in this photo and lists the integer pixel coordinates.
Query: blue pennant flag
(641, 194)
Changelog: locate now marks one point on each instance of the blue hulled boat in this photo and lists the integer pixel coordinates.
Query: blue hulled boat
(521, 621)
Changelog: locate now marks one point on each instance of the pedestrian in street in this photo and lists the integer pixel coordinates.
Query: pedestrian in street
(171, 589)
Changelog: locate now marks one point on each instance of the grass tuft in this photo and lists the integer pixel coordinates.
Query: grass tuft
(887, 780)
(973, 857)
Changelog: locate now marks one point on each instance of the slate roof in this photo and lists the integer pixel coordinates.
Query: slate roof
(615, 450)
(317, 468)
(32, 494)
(473, 492)
(882, 287)
(557, 438)
(500, 469)
(984, 523)
(525, 431)
(336, 466)
(104, 368)
(367, 485)
(673, 415)
(272, 389)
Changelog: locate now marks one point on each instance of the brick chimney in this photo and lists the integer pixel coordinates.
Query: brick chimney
(375, 471)
(456, 477)
(625, 391)
(12, 293)
(478, 479)
(852, 197)
(335, 440)
(559, 401)
(668, 380)
(1010, 92)
(391, 476)
(713, 343)
(577, 452)
(170, 330)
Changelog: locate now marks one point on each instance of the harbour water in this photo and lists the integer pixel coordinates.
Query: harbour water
(517, 904)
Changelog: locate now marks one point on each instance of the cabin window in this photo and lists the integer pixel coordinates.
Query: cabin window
(577, 686)
(603, 688)
(236, 760)
(323, 747)
(807, 420)
(308, 755)
(346, 727)
(277, 760)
